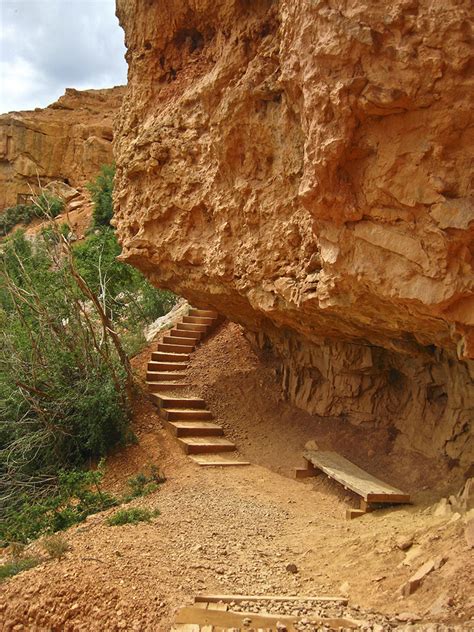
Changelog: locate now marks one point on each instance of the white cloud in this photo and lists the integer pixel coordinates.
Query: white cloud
(47, 46)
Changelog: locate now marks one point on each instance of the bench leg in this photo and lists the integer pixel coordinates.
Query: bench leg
(305, 472)
(364, 507)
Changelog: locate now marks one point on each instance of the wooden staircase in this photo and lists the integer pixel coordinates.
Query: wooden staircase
(187, 417)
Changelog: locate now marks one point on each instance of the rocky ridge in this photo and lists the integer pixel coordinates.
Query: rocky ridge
(67, 142)
(303, 169)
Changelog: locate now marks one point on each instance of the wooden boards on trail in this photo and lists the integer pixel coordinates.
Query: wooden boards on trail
(370, 489)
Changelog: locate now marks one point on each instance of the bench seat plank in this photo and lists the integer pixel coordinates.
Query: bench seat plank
(352, 477)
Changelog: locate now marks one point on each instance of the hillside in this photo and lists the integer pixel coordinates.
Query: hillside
(236, 530)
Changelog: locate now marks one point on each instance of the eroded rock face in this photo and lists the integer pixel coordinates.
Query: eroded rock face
(303, 167)
(67, 141)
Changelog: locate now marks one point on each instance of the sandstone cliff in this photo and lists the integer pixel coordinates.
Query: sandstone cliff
(67, 141)
(303, 167)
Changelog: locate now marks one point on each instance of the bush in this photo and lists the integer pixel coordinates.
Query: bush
(55, 546)
(130, 299)
(64, 388)
(78, 494)
(101, 192)
(142, 485)
(43, 206)
(131, 516)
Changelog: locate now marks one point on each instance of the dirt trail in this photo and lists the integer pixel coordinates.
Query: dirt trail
(236, 530)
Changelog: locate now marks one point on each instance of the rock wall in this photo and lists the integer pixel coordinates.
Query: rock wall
(67, 141)
(303, 167)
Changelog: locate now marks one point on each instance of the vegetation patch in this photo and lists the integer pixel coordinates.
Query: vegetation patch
(55, 546)
(10, 569)
(70, 318)
(133, 515)
(142, 485)
(44, 206)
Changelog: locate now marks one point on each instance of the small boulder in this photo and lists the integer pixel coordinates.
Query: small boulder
(443, 509)
(469, 534)
(404, 542)
(292, 568)
(415, 580)
(311, 445)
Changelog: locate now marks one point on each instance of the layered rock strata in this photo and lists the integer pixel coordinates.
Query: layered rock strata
(66, 142)
(304, 168)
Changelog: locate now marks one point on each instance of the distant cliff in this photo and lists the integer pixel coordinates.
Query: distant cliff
(68, 141)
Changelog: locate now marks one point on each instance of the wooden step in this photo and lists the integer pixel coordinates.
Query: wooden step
(206, 445)
(216, 460)
(199, 320)
(165, 376)
(192, 327)
(158, 387)
(175, 340)
(177, 348)
(161, 356)
(157, 367)
(185, 414)
(188, 403)
(184, 333)
(195, 428)
(206, 313)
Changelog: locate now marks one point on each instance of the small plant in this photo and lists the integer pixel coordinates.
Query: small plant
(55, 546)
(10, 569)
(134, 515)
(142, 485)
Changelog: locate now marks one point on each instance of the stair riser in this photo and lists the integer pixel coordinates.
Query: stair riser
(207, 449)
(165, 386)
(178, 348)
(199, 320)
(186, 415)
(158, 367)
(182, 342)
(174, 402)
(195, 336)
(203, 313)
(195, 432)
(156, 376)
(190, 327)
(160, 356)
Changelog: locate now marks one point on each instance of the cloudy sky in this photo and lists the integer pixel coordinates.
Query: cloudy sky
(47, 46)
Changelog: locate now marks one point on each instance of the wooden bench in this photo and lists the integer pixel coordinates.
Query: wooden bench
(372, 491)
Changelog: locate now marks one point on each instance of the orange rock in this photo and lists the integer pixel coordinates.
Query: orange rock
(306, 173)
(67, 141)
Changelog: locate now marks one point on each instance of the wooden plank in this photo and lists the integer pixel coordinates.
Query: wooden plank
(229, 598)
(221, 606)
(230, 619)
(352, 477)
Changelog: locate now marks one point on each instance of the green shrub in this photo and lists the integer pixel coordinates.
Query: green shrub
(142, 485)
(10, 569)
(78, 494)
(48, 205)
(101, 192)
(133, 515)
(131, 299)
(43, 206)
(64, 389)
